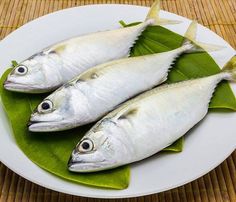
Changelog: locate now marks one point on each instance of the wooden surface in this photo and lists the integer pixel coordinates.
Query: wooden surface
(218, 15)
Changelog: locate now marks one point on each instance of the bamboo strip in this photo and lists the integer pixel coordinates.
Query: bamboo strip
(3, 171)
(222, 184)
(216, 186)
(22, 11)
(196, 192)
(26, 191)
(13, 185)
(175, 195)
(61, 197)
(33, 192)
(40, 194)
(153, 197)
(2, 4)
(228, 181)
(202, 189)
(25, 15)
(47, 194)
(180, 8)
(4, 16)
(209, 188)
(189, 192)
(234, 157)
(171, 7)
(230, 15)
(232, 170)
(161, 197)
(6, 185)
(232, 6)
(224, 15)
(182, 194)
(20, 189)
(11, 17)
(168, 196)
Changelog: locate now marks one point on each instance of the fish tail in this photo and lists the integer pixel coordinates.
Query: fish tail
(195, 46)
(230, 69)
(154, 15)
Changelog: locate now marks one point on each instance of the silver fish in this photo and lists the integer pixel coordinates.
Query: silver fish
(57, 64)
(145, 125)
(99, 90)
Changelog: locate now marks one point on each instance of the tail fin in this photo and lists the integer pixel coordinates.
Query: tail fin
(154, 15)
(190, 38)
(230, 68)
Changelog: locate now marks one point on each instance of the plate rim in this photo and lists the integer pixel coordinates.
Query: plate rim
(94, 195)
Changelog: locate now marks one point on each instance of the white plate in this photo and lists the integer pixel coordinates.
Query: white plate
(205, 148)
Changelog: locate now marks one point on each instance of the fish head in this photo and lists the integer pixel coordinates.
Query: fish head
(54, 113)
(100, 149)
(33, 75)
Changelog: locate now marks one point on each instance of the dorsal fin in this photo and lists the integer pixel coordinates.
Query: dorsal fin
(190, 37)
(154, 13)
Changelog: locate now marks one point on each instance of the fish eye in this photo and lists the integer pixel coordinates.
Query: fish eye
(86, 146)
(21, 70)
(45, 106)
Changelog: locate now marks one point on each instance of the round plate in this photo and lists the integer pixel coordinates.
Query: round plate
(205, 147)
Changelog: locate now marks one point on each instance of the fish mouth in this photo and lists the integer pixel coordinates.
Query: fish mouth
(17, 87)
(13, 86)
(52, 126)
(81, 166)
(25, 88)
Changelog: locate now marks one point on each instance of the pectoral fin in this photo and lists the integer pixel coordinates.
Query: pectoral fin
(129, 113)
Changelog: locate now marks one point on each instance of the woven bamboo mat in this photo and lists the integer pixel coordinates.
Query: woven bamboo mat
(218, 15)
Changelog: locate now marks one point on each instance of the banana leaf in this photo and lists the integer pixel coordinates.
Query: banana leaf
(51, 151)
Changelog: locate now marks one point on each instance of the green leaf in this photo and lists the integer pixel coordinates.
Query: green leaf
(14, 63)
(51, 151)
(177, 146)
(122, 23)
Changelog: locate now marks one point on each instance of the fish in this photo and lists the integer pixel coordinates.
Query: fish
(94, 93)
(147, 124)
(55, 65)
